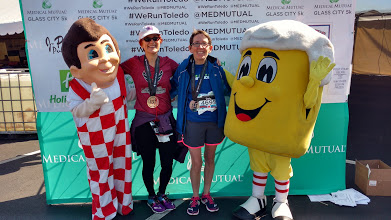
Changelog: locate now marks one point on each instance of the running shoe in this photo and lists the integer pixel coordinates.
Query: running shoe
(155, 205)
(194, 206)
(163, 199)
(211, 206)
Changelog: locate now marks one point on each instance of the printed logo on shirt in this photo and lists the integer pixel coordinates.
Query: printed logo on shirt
(159, 89)
(65, 78)
(206, 76)
(159, 77)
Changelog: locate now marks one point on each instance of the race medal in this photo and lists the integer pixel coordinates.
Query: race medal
(193, 105)
(152, 101)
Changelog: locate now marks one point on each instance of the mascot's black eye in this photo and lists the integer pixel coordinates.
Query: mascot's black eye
(244, 68)
(92, 54)
(109, 49)
(267, 70)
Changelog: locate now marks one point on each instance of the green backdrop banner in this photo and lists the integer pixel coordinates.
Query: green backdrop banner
(321, 170)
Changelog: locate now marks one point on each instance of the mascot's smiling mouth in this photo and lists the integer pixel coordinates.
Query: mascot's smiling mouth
(247, 115)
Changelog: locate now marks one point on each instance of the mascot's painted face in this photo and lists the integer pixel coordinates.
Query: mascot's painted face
(99, 62)
(266, 109)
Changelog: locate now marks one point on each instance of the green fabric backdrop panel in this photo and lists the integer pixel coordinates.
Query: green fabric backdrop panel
(321, 170)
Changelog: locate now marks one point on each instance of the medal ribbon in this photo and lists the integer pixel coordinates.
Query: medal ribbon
(152, 86)
(196, 91)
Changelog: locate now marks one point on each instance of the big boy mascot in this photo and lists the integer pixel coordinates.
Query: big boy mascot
(97, 99)
(274, 103)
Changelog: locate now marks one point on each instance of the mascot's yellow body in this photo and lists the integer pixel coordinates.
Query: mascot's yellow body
(276, 96)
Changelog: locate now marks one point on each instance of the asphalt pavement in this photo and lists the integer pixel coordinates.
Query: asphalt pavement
(22, 195)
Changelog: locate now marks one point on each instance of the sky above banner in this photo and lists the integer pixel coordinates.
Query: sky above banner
(378, 5)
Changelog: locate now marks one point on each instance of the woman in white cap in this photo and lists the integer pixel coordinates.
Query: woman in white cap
(152, 126)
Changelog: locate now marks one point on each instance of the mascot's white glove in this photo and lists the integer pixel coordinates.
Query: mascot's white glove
(97, 98)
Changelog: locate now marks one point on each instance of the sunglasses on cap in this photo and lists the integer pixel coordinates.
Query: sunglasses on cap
(148, 39)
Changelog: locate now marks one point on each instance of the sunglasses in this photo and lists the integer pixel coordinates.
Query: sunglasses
(148, 39)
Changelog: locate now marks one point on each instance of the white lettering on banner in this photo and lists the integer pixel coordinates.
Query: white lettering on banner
(227, 178)
(35, 45)
(73, 158)
(216, 178)
(326, 149)
(63, 159)
(135, 157)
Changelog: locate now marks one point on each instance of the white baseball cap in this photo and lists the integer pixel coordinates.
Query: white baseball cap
(147, 30)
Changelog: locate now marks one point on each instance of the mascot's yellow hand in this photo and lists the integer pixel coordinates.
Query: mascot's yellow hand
(230, 78)
(320, 68)
(318, 71)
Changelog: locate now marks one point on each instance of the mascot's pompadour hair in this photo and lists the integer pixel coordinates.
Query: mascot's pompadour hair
(82, 30)
(289, 35)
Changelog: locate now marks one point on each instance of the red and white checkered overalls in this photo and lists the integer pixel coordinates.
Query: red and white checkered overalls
(105, 138)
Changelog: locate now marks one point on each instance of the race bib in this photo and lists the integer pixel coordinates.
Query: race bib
(206, 102)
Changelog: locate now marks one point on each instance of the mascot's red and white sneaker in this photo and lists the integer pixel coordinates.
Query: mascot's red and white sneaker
(253, 208)
(281, 211)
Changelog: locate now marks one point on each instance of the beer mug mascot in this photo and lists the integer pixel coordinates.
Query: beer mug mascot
(97, 99)
(275, 100)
